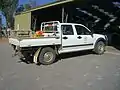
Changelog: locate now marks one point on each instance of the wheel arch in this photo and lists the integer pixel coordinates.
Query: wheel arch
(100, 39)
(36, 54)
(55, 47)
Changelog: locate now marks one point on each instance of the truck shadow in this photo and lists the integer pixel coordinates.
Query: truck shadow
(27, 61)
(73, 54)
(59, 57)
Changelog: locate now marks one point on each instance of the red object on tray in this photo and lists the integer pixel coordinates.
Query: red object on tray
(39, 32)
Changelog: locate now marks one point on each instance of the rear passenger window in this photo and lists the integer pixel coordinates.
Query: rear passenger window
(67, 30)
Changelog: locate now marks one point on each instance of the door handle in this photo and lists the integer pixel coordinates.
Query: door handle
(79, 37)
(65, 38)
(57, 37)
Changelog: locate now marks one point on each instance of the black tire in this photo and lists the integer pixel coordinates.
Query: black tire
(47, 56)
(99, 48)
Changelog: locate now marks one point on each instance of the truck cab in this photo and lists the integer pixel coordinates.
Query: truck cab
(76, 36)
(60, 38)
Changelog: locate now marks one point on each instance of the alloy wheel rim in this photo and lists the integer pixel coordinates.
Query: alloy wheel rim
(101, 48)
(48, 56)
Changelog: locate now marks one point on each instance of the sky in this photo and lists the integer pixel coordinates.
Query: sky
(38, 2)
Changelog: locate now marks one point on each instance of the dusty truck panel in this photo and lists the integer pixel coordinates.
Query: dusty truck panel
(23, 21)
(35, 42)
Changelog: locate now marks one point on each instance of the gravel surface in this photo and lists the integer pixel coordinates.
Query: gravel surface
(75, 71)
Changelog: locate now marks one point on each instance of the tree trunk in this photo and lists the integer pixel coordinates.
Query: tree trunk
(9, 20)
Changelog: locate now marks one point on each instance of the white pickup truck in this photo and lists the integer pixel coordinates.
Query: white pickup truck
(58, 38)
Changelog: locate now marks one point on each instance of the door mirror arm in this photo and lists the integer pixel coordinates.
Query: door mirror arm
(91, 33)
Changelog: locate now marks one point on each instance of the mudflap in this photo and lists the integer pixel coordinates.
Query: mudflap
(15, 53)
(35, 58)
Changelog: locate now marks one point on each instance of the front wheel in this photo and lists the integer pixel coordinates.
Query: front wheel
(99, 48)
(47, 56)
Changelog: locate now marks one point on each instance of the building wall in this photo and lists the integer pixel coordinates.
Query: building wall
(23, 21)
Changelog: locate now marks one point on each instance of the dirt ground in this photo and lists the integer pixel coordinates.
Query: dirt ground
(75, 71)
(3, 40)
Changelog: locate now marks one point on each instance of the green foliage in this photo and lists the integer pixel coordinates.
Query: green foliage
(27, 6)
(32, 3)
(8, 7)
(20, 9)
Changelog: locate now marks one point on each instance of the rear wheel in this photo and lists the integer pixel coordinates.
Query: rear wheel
(99, 48)
(47, 56)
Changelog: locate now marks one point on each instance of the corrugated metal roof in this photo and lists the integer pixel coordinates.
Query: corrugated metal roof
(48, 5)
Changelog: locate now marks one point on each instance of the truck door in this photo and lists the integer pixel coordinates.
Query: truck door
(68, 36)
(84, 37)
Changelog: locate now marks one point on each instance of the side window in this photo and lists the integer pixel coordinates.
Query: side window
(67, 30)
(81, 30)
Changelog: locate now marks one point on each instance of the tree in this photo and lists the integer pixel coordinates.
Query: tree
(32, 3)
(20, 9)
(27, 6)
(8, 8)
